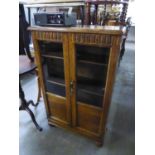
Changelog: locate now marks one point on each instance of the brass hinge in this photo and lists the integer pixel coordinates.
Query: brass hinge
(71, 87)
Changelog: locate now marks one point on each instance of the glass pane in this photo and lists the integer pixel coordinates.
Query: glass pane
(53, 67)
(91, 73)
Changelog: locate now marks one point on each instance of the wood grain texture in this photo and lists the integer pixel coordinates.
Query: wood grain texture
(111, 30)
(88, 117)
(84, 132)
(67, 76)
(40, 71)
(65, 111)
(72, 60)
(112, 66)
(57, 106)
(91, 39)
(51, 36)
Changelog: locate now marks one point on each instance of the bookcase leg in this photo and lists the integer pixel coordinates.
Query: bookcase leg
(99, 143)
(52, 125)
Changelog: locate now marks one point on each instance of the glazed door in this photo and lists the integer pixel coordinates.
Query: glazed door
(89, 62)
(52, 51)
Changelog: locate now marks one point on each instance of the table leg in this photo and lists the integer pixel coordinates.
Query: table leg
(25, 104)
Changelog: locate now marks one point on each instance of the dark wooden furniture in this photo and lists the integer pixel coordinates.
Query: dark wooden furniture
(26, 66)
(77, 70)
(92, 18)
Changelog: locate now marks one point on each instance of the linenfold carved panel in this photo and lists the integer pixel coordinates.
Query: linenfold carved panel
(92, 39)
(55, 36)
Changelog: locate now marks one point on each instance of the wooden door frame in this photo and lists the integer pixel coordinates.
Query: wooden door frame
(53, 37)
(72, 60)
(114, 48)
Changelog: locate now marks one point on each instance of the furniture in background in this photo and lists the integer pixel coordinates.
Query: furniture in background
(26, 63)
(104, 12)
(27, 66)
(77, 70)
(128, 25)
(59, 5)
(24, 35)
(90, 12)
(99, 12)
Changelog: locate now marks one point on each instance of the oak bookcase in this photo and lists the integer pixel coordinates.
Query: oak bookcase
(77, 70)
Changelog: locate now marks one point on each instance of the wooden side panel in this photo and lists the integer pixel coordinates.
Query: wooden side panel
(88, 117)
(57, 107)
(112, 66)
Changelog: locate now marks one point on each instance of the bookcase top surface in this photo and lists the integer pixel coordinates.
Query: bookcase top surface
(115, 30)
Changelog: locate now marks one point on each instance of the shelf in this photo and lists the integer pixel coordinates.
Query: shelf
(92, 54)
(91, 89)
(89, 99)
(56, 55)
(94, 60)
(92, 63)
(55, 89)
(88, 73)
(52, 75)
(56, 80)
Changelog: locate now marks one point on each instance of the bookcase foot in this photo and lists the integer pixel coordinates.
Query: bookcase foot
(99, 143)
(51, 125)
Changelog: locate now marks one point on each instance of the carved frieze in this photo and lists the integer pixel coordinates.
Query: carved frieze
(55, 36)
(92, 39)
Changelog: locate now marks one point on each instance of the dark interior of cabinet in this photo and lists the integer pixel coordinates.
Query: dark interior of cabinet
(51, 49)
(53, 67)
(91, 69)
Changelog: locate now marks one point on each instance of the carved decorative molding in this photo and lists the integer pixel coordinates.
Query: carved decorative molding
(55, 36)
(93, 39)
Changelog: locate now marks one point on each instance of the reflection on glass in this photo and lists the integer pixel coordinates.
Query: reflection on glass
(91, 73)
(53, 67)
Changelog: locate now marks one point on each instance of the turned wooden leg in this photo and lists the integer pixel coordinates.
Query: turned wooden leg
(39, 87)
